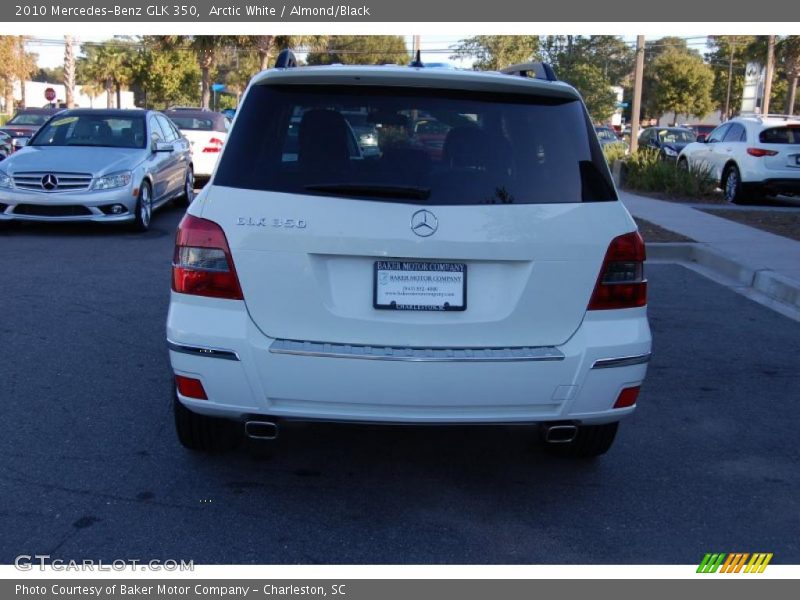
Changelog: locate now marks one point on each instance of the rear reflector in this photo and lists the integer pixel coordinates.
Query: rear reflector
(202, 264)
(191, 388)
(761, 152)
(627, 397)
(621, 282)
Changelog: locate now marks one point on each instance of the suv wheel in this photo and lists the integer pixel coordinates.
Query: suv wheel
(144, 208)
(202, 433)
(589, 441)
(732, 186)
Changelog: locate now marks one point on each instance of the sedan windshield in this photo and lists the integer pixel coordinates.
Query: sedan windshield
(92, 130)
(676, 136)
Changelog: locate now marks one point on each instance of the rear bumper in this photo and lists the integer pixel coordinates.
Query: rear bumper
(245, 373)
(781, 185)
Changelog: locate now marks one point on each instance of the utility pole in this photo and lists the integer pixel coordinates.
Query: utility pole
(416, 43)
(637, 93)
(731, 41)
(768, 75)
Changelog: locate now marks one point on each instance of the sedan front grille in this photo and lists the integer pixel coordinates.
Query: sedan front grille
(52, 210)
(45, 181)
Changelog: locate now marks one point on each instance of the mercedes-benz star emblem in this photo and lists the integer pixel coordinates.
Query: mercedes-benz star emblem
(424, 223)
(49, 182)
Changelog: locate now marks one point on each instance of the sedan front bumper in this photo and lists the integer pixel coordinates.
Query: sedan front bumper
(86, 205)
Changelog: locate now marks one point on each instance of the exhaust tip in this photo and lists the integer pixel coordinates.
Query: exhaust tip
(560, 434)
(261, 430)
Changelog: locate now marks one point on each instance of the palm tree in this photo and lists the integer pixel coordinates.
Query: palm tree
(265, 45)
(69, 71)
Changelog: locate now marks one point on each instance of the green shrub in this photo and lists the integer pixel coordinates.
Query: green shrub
(614, 152)
(647, 172)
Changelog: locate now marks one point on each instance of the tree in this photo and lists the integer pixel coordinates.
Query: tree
(205, 48)
(494, 52)
(588, 79)
(728, 59)
(265, 46)
(69, 71)
(682, 84)
(789, 56)
(362, 50)
(98, 65)
(162, 77)
(16, 65)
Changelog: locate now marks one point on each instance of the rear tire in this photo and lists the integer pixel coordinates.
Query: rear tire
(589, 442)
(185, 199)
(201, 433)
(733, 189)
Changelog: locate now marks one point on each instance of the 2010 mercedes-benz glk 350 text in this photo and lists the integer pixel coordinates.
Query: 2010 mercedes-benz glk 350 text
(476, 267)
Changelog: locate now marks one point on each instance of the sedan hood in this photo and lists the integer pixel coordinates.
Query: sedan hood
(74, 159)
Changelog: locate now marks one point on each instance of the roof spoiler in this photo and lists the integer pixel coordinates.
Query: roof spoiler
(537, 70)
(286, 60)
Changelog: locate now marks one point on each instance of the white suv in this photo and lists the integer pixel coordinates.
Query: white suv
(750, 156)
(489, 275)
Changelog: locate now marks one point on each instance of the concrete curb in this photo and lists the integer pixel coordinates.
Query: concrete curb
(764, 280)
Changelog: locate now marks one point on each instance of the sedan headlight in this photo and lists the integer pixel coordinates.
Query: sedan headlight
(5, 181)
(115, 180)
(670, 152)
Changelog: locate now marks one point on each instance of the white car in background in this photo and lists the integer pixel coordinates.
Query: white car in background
(498, 279)
(207, 131)
(750, 157)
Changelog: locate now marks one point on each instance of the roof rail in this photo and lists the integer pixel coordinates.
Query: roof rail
(285, 60)
(538, 70)
(769, 116)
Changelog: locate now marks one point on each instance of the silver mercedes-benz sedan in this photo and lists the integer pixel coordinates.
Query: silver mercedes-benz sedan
(97, 165)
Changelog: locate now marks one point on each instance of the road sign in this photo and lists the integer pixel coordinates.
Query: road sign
(218, 87)
(622, 105)
(50, 94)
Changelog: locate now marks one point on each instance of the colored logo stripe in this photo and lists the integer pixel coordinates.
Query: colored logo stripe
(734, 562)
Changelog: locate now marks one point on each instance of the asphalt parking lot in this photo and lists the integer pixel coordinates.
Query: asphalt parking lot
(92, 469)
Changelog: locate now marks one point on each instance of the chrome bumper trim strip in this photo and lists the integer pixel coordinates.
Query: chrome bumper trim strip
(328, 350)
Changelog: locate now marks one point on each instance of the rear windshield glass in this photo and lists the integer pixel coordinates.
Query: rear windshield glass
(198, 123)
(29, 119)
(92, 130)
(781, 135)
(410, 144)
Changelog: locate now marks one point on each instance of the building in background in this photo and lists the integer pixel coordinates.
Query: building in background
(35, 96)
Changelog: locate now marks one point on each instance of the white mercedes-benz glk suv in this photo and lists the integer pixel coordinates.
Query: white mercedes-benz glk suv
(481, 272)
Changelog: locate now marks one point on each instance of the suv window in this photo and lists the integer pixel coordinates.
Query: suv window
(478, 148)
(735, 133)
(718, 134)
(781, 135)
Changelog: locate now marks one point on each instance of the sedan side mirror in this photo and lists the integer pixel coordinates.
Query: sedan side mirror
(19, 142)
(701, 137)
(163, 147)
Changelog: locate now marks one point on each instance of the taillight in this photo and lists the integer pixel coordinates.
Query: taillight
(759, 152)
(621, 283)
(191, 388)
(213, 145)
(202, 264)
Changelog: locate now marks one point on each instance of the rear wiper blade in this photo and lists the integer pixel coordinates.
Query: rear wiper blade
(366, 189)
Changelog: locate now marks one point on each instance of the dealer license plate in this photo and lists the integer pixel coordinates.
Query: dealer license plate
(417, 285)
